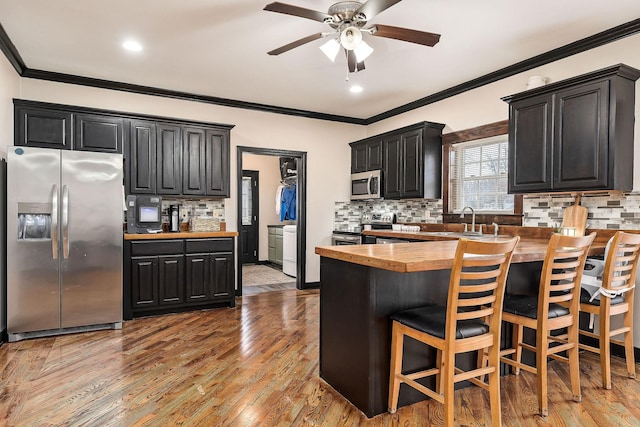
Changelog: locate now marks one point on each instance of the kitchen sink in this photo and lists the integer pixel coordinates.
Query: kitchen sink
(467, 235)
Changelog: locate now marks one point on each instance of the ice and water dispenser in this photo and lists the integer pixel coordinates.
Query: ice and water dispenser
(34, 221)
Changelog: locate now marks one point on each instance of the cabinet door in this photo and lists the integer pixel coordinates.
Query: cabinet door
(169, 159)
(217, 163)
(197, 278)
(171, 279)
(142, 158)
(411, 175)
(42, 128)
(530, 144)
(94, 132)
(221, 276)
(193, 161)
(581, 137)
(278, 251)
(359, 157)
(392, 167)
(374, 155)
(144, 282)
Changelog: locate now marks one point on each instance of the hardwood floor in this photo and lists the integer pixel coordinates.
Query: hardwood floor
(252, 365)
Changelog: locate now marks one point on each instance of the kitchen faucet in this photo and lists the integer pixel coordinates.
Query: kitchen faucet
(495, 228)
(473, 217)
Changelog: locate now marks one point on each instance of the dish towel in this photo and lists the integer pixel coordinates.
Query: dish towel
(279, 198)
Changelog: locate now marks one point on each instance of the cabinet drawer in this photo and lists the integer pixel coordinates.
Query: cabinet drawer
(157, 247)
(195, 246)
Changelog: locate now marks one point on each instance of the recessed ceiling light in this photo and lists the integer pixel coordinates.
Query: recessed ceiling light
(355, 89)
(132, 46)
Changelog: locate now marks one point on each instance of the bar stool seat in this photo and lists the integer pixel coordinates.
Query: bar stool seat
(433, 321)
(527, 306)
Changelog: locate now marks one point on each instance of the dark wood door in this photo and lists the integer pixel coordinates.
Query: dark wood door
(374, 155)
(411, 164)
(197, 278)
(250, 215)
(193, 161)
(42, 128)
(581, 137)
(221, 275)
(530, 144)
(359, 157)
(93, 132)
(171, 279)
(216, 163)
(392, 167)
(169, 159)
(144, 282)
(142, 157)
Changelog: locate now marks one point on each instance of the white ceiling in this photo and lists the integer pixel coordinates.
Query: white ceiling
(219, 47)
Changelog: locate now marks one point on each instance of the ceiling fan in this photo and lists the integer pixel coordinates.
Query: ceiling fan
(348, 20)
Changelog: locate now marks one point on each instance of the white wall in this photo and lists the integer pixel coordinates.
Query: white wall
(9, 89)
(326, 145)
(268, 180)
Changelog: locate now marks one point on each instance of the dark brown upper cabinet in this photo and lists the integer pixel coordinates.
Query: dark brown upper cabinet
(205, 162)
(410, 159)
(574, 135)
(41, 127)
(366, 155)
(93, 132)
(142, 157)
(169, 159)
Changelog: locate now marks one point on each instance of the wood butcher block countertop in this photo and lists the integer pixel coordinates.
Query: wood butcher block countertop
(425, 256)
(180, 235)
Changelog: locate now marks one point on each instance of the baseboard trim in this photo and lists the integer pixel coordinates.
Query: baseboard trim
(311, 285)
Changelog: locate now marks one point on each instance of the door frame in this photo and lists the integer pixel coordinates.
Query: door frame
(301, 207)
(255, 207)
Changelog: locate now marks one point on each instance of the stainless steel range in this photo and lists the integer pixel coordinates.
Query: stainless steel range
(370, 221)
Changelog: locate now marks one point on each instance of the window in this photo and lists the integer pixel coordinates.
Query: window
(478, 175)
(246, 201)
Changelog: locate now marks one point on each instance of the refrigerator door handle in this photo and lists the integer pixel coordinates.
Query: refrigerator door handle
(65, 221)
(54, 222)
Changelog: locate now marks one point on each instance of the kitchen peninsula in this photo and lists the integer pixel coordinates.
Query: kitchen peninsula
(361, 285)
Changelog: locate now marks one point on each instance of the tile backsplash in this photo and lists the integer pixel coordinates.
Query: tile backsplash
(194, 208)
(605, 211)
(348, 214)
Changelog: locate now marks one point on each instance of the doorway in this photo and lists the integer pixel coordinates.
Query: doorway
(301, 202)
(250, 216)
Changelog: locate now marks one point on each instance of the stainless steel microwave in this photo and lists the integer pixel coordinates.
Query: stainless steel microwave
(366, 185)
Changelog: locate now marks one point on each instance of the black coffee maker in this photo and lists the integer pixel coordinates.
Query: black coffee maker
(174, 218)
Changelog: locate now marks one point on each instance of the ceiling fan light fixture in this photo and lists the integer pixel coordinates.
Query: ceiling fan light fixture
(330, 49)
(350, 38)
(362, 51)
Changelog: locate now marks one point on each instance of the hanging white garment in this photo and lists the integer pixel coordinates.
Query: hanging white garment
(279, 198)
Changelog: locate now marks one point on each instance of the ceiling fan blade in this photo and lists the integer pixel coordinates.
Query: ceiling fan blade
(296, 11)
(360, 66)
(373, 7)
(351, 60)
(295, 44)
(405, 34)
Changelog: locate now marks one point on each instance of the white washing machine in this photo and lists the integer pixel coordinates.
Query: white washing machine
(289, 250)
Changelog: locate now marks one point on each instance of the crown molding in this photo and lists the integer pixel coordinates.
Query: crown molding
(596, 40)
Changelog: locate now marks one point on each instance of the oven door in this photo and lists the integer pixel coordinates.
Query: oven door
(341, 239)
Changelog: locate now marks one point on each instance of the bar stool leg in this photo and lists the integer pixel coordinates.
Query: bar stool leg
(574, 363)
(494, 387)
(541, 366)
(517, 341)
(449, 371)
(397, 341)
(439, 375)
(605, 349)
(628, 344)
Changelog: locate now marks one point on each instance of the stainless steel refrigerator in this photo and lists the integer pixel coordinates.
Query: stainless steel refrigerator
(64, 241)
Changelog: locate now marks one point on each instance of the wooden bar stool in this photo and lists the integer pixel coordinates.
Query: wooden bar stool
(470, 322)
(555, 308)
(613, 298)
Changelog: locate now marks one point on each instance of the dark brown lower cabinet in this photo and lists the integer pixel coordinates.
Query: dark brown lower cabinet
(173, 275)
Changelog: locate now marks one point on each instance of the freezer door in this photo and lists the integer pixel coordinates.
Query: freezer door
(33, 292)
(91, 216)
